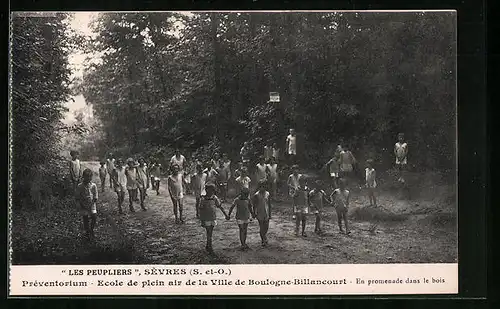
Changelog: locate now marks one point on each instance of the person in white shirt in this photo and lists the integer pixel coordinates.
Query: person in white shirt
(401, 153)
(272, 170)
(261, 171)
(268, 152)
(110, 165)
(371, 182)
(178, 159)
(291, 146)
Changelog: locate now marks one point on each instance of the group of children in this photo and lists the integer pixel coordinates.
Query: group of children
(208, 182)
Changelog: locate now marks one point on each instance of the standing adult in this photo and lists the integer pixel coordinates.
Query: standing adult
(179, 160)
(291, 147)
(110, 165)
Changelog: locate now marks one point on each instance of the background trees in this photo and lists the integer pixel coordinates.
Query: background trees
(40, 87)
(201, 82)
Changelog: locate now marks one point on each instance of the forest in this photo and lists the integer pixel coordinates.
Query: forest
(201, 82)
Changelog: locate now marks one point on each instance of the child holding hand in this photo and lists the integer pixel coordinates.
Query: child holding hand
(262, 210)
(340, 200)
(208, 206)
(317, 198)
(243, 211)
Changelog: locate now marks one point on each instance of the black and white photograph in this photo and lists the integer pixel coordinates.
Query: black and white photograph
(250, 137)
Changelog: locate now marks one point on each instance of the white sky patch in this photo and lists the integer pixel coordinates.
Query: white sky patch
(81, 23)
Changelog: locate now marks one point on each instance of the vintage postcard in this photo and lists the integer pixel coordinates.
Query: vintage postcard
(233, 153)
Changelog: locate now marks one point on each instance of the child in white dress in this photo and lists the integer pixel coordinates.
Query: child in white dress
(340, 200)
(176, 191)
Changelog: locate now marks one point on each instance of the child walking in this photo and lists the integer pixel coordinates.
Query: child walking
(102, 175)
(291, 146)
(142, 181)
(272, 171)
(371, 182)
(209, 203)
(75, 169)
(243, 181)
(317, 199)
(261, 171)
(333, 166)
(401, 153)
(155, 173)
(245, 152)
(198, 182)
(301, 206)
(120, 182)
(226, 161)
(110, 165)
(243, 212)
(132, 183)
(86, 197)
(293, 183)
(237, 172)
(176, 191)
(262, 211)
(340, 200)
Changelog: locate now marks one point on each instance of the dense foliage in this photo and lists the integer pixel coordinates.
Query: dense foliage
(203, 80)
(40, 88)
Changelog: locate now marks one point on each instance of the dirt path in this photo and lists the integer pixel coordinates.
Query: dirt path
(153, 233)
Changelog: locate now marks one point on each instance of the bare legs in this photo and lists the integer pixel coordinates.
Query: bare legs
(89, 226)
(121, 198)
